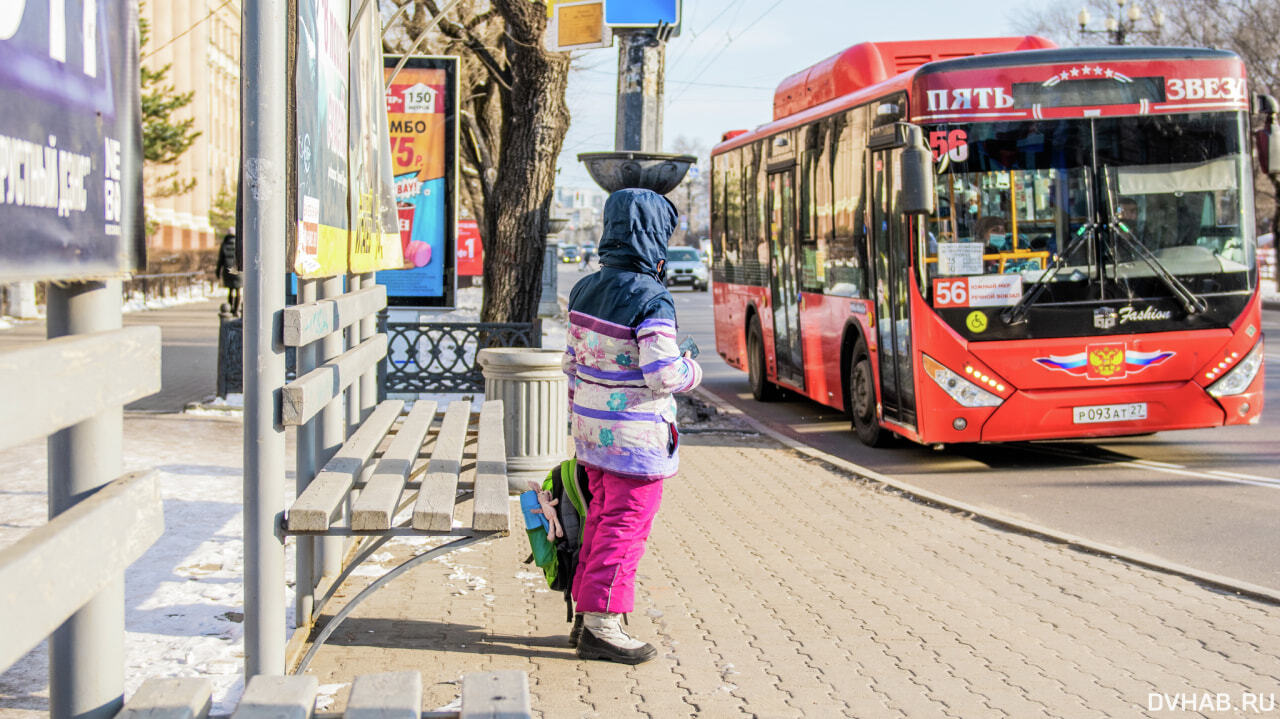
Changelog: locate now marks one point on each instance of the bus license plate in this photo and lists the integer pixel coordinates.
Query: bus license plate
(1109, 413)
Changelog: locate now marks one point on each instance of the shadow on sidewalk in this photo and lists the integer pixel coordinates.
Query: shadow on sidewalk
(436, 636)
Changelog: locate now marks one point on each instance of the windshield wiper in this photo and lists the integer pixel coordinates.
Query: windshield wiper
(1191, 302)
(1018, 312)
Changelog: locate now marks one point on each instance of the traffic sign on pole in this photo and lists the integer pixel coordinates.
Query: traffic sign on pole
(577, 26)
(642, 13)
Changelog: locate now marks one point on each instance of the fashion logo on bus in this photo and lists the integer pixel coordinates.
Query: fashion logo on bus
(1104, 361)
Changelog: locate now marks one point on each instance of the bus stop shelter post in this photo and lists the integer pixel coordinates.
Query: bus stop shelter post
(354, 283)
(331, 432)
(306, 467)
(263, 144)
(86, 653)
(369, 380)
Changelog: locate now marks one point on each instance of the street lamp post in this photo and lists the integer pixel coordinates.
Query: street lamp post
(637, 159)
(1119, 27)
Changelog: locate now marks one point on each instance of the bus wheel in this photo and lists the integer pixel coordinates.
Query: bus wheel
(761, 388)
(862, 399)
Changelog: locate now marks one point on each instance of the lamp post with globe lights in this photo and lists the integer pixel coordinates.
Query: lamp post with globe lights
(1119, 27)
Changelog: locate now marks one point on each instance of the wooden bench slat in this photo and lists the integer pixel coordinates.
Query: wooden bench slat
(306, 323)
(392, 695)
(492, 508)
(376, 506)
(304, 397)
(268, 697)
(57, 383)
(486, 695)
(322, 499)
(165, 698)
(54, 569)
(434, 509)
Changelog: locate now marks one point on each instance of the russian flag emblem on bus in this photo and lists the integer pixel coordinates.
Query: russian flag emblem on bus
(1104, 361)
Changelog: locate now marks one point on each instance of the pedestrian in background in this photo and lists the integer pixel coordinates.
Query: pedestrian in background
(228, 271)
(624, 366)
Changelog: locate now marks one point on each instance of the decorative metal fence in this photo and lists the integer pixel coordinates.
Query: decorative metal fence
(168, 284)
(441, 356)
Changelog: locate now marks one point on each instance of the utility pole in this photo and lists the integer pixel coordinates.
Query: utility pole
(638, 160)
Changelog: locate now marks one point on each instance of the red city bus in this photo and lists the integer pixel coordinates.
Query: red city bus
(1083, 265)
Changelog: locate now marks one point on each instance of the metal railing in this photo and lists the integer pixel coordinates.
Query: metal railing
(441, 356)
(166, 284)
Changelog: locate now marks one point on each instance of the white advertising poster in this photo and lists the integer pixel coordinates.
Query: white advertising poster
(959, 258)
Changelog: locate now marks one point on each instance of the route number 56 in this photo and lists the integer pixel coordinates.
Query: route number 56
(951, 293)
(953, 144)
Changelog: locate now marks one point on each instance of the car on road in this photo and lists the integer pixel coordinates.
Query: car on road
(685, 267)
(570, 253)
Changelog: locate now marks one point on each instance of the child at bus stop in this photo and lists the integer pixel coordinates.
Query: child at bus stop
(624, 366)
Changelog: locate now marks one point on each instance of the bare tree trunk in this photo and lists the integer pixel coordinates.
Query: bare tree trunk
(535, 119)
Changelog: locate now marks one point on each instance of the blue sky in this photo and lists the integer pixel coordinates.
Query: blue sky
(731, 54)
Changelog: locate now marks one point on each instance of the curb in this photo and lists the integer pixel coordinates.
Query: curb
(1004, 521)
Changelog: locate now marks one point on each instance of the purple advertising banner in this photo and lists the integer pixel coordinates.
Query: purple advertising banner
(70, 141)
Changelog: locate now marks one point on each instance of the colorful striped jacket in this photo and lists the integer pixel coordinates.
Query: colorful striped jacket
(622, 357)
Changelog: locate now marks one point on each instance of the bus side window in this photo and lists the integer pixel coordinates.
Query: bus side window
(718, 167)
(733, 217)
(812, 244)
(755, 247)
(845, 264)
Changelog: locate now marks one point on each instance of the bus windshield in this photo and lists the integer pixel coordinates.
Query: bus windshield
(1155, 203)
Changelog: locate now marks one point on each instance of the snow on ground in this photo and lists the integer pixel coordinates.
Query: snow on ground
(184, 596)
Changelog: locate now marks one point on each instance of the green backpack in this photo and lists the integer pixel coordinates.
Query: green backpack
(558, 559)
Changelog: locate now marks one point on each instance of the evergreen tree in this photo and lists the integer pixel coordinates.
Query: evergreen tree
(222, 215)
(164, 139)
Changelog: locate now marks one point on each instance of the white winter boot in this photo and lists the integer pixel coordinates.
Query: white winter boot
(603, 638)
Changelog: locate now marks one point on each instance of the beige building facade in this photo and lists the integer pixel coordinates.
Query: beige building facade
(200, 41)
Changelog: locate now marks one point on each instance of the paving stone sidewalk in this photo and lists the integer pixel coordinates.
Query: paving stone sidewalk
(777, 587)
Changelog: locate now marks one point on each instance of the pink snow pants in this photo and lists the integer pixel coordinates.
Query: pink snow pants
(618, 524)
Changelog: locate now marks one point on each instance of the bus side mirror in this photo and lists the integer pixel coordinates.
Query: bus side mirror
(1267, 139)
(917, 175)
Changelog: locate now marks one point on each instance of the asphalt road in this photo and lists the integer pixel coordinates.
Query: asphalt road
(1207, 499)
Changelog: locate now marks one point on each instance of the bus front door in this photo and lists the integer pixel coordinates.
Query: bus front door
(787, 348)
(891, 272)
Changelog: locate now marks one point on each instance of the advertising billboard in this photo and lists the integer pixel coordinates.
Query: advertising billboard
(422, 118)
(70, 141)
(320, 249)
(345, 210)
(375, 239)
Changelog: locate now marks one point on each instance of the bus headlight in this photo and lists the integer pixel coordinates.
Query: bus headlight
(1239, 377)
(964, 392)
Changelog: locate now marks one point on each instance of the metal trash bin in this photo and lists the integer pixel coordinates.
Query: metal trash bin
(535, 399)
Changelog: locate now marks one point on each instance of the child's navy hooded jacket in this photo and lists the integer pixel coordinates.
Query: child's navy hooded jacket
(622, 359)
